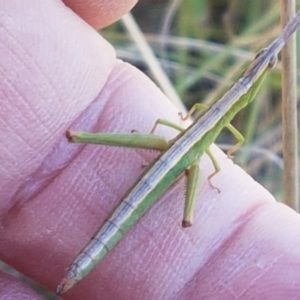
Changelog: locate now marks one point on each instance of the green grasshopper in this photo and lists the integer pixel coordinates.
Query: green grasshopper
(177, 156)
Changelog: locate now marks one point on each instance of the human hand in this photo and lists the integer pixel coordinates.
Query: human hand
(59, 74)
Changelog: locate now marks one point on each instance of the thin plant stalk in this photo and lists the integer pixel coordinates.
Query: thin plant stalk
(289, 112)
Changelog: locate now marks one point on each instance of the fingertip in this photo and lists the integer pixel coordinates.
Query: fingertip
(99, 13)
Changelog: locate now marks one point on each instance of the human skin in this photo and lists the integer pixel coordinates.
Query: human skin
(57, 74)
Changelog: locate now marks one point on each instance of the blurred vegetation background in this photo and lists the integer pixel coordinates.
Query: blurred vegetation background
(203, 47)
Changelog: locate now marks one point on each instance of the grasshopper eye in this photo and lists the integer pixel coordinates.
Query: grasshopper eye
(260, 53)
(272, 60)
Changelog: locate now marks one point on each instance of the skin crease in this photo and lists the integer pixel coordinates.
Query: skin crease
(10, 288)
(59, 74)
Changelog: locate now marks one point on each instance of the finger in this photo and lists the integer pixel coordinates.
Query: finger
(53, 71)
(99, 13)
(258, 259)
(89, 188)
